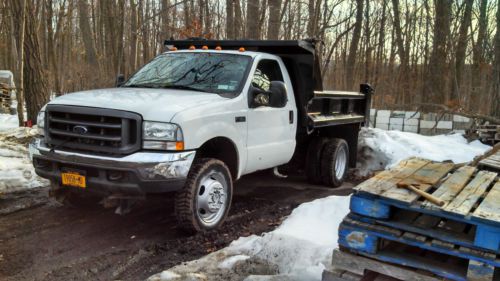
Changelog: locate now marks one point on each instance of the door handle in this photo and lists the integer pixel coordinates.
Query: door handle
(290, 116)
(239, 119)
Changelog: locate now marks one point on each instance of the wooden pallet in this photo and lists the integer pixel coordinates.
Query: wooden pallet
(349, 266)
(492, 162)
(417, 251)
(471, 198)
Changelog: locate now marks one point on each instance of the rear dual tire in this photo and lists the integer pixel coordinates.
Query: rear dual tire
(327, 161)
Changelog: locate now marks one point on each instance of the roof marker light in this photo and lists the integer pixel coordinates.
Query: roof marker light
(173, 49)
(218, 48)
(241, 49)
(192, 47)
(204, 48)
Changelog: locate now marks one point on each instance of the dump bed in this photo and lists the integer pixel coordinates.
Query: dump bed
(316, 106)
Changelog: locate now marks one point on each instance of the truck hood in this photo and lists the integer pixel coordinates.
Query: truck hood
(152, 104)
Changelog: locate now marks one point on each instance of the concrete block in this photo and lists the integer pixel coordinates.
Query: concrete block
(396, 121)
(459, 118)
(382, 126)
(462, 125)
(427, 131)
(373, 111)
(411, 122)
(443, 131)
(412, 114)
(398, 114)
(429, 116)
(396, 127)
(382, 119)
(383, 113)
(424, 124)
(445, 125)
(411, 129)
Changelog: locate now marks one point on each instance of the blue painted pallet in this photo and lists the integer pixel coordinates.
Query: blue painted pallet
(485, 234)
(417, 251)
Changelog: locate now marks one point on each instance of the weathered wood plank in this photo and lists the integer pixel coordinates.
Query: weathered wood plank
(463, 203)
(490, 207)
(490, 163)
(388, 179)
(359, 264)
(424, 178)
(453, 185)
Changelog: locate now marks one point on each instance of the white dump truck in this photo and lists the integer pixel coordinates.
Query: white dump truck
(193, 121)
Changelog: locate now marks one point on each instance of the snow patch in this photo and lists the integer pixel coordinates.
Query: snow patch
(16, 169)
(8, 122)
(379, 149)
(231, 261)
(168, 275)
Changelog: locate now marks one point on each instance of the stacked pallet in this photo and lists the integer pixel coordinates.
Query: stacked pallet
(489, 133)
(394, 231)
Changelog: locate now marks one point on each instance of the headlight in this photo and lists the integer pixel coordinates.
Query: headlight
(163, 136)
(40, 122)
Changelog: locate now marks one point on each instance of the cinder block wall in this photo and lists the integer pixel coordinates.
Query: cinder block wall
(416, 122)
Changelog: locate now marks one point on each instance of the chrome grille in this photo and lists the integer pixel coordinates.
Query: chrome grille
(99, 130)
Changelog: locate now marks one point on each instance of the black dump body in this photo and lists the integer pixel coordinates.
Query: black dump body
(316, 107)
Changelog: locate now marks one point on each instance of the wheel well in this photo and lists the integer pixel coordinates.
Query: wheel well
(223, 149)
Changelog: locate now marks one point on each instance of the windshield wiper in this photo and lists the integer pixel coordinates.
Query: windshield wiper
(183, 87)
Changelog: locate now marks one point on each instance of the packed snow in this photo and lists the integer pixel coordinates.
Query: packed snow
(301, 247)
(8, 122)
(16, 169)
(379, 149)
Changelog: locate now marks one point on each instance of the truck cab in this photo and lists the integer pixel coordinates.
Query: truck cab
(194, 120)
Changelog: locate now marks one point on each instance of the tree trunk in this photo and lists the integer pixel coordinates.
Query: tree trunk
(35, 82)
(478, 60)
(19, 13)
(88, 42)
(252, 26)
(495, 91)
(403, 56)
(230, 19)
(460, 53)
(438, 70)
(274, 24)
(353, 49)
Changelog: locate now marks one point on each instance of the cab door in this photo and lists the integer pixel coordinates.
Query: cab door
(271, 130)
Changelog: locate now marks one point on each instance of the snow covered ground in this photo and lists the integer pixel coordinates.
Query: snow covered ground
(379, 149)
(16, 170)
(301, 247)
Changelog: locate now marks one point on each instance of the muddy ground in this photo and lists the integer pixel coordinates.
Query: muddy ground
(41, 240)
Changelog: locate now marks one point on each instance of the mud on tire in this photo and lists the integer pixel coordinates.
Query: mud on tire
(204, 202)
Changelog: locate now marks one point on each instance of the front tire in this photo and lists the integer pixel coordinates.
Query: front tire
(334, 162)
(204, 202)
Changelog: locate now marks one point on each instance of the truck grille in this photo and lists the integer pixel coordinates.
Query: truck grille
(103, 131)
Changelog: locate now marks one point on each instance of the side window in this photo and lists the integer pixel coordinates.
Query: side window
(267, 71)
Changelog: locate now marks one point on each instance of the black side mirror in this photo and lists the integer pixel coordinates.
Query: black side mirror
(277, 94)
(120, 79)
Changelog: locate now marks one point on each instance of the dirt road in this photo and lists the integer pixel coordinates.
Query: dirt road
(41, 240)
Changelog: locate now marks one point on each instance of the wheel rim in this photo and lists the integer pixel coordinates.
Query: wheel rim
(211, 198)
(340, 162)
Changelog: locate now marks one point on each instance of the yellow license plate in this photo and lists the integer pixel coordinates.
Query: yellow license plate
(73, 179)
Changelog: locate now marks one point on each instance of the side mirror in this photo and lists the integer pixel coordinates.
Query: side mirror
(120, 79)
(277, 94)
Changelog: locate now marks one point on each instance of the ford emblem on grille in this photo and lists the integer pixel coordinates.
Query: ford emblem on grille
(82, 130)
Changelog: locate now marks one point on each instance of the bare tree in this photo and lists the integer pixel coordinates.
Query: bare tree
(353, 49)
(274, 24)
(252, 26)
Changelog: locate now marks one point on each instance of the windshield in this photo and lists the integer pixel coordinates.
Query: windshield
(204, 72)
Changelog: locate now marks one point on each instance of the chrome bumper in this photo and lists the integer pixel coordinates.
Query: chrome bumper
(150, 167)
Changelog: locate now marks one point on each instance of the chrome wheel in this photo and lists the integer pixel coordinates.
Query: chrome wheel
(340, 162)
(211, 199)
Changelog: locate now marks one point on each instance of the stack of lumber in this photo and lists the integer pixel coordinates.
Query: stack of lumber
(489, 133)
(396, 232)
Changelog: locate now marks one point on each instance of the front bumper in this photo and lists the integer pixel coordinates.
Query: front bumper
(135, 174)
